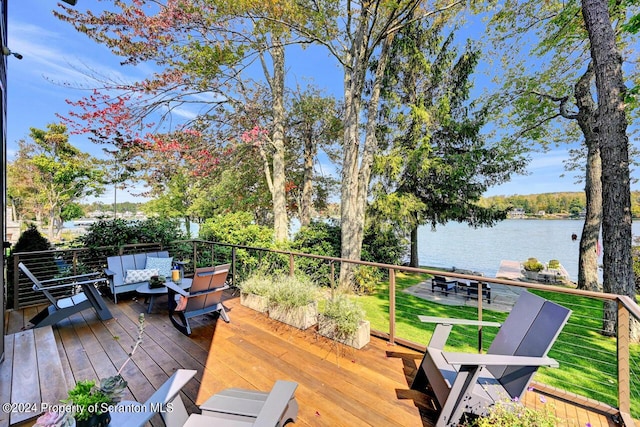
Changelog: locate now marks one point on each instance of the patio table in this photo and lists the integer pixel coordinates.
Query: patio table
(152, 293)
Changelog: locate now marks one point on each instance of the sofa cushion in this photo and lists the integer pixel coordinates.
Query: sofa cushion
(137, 276)
(162, 264)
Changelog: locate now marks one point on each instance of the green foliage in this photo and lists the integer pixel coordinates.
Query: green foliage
(289, 292)
(29, 241)
(554, 263)
(258, 283)
(237, 228)
(119, 232)
(344, 313)
(318, 238)
(382, 244)
(367, 278)
(532, 264)
(85, 396)
(514, 414)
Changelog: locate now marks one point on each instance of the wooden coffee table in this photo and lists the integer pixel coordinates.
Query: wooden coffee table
(152, 293)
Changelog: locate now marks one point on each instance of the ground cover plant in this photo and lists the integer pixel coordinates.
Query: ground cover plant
(588, 361)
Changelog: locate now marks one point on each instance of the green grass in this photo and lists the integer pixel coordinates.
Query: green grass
(588, 360)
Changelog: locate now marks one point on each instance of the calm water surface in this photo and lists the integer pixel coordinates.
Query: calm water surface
(482, 249)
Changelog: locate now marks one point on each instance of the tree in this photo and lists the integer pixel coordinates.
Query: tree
(60, 173)
(614, 143)
(437, 164)
(359, 36)
(313, 124)
(203, 48)
(558, 85)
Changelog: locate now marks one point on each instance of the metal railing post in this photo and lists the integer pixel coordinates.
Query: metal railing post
(392, 306)
(233, 265)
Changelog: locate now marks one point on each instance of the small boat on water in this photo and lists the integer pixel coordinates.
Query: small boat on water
(84, 222)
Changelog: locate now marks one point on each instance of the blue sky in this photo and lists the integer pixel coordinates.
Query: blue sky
(54, 52)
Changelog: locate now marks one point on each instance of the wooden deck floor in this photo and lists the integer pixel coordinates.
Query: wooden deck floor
(338, 386)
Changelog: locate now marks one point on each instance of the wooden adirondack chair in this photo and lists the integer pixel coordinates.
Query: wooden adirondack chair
(166, 401)
(471, 383)
(61, 308)
(236, 408)
(205, 296)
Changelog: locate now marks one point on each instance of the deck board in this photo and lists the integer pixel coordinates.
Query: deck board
(338, 385)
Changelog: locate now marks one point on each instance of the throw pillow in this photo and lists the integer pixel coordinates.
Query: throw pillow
(162, 264)
(137, 276)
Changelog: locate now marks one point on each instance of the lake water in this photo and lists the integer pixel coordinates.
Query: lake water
(482, 249)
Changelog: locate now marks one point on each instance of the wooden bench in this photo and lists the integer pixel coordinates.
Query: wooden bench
(117, 267)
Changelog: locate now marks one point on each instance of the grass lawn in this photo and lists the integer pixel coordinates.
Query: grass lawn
(588, 360)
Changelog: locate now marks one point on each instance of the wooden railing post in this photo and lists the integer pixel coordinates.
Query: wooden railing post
(292, 265)
(392, 306)
(624, 386)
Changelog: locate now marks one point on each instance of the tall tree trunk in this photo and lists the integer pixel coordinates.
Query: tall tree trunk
(413, 259)
(587, 118)
(306, 202)
(355, 68)
(280, 220)
(612, 127)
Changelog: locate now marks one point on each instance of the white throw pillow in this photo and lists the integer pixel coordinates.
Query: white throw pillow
(137, 276)
(162, 264)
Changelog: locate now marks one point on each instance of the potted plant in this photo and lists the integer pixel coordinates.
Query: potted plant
(293, 300)
(92, 401)
(554, 264)
(343, 320)
(254, 292)
(532, 267)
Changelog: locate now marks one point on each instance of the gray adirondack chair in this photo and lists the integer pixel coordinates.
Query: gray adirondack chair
(204, 296)
(166, 401)
(61, 308)
(471, 383)
(238, 408)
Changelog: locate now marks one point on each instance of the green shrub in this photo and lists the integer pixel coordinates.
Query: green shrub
(237, 228)
(119, 232)
(554, 263)
(290, 292)
(532, 264)
(29, 241)
(367, 279)
(318, 238)
(257, 283)
(514, 414)
(345, 313)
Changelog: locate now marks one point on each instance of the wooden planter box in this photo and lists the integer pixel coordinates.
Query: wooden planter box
(359, 339)
(301, 317)
(255, 302)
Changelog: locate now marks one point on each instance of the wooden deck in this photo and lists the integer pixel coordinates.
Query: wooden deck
(338, 386)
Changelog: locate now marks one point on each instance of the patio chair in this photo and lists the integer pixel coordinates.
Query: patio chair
(205, 296)
(470, 383)
(61, 308)
(444, 284)
(166, 401)
(237, 407)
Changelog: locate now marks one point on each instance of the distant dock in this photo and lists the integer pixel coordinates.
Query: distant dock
(510, 270)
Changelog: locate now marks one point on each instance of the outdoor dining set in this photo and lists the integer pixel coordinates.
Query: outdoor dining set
(469, 288)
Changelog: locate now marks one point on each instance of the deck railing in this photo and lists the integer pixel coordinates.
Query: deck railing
(600, 362)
